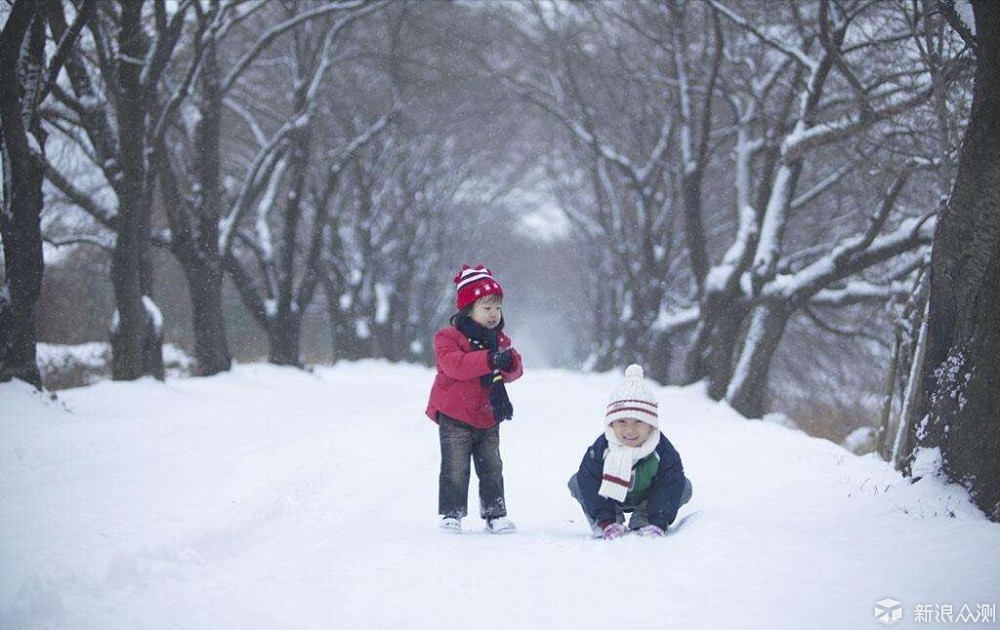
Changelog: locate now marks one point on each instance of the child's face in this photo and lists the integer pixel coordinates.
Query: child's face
(486, 311)
(631, 432)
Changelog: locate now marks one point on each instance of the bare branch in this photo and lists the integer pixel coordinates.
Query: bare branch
(832, 49)
(68, 41)
(276, 31)
(846, 332)
(105, 217)
(947, 9)
(823, 185)
(795, 53)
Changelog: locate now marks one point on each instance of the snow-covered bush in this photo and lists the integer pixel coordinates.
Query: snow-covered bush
(64, 366)
(860, 441)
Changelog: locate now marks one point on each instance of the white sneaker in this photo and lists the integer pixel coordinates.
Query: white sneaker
(500, 525)
(451, 525)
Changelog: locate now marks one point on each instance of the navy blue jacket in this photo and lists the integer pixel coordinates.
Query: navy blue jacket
(664, 493)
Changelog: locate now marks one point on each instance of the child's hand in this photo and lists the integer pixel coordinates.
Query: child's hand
(614, 530)
(651, 531)
(501, 361)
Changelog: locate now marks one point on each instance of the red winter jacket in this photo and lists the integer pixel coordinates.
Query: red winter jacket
(457, 392)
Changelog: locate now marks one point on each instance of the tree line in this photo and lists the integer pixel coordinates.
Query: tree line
(736, 176)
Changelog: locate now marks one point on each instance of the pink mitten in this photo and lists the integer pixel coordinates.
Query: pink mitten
(614, 530)
(651, 531)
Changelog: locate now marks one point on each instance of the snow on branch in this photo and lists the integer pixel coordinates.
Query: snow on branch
(677, 321)
(275, 31)
(248, 117)
(81, 239)
(804, 139)
(643, 173)
(249, 8)
(775, 219)
(856, 292)
(258, 175)
(849, 259)
(794, 53)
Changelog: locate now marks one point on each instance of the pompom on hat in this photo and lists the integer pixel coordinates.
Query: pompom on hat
(633, 399)
(474, 283)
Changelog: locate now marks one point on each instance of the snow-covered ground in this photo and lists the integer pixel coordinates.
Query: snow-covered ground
(269, 498)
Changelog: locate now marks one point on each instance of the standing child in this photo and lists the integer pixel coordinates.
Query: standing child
(632, 467)
(468, 400)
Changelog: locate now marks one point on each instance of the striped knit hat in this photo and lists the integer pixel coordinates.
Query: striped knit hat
(474, 283)
(633, 399)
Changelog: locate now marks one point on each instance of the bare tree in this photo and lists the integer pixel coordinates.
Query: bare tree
(116, 114)
(26, 80)
(275, 283)
(619, 132)
(203, 213)
(423, 191)
(796, 100)
(831, 99)
(961, 368)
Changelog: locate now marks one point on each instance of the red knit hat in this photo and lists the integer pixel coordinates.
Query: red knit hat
(474, 283)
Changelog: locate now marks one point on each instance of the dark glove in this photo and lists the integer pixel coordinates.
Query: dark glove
(501, 361)
(500, 402)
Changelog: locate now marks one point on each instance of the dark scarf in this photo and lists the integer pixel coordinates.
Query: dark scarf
(482, 338)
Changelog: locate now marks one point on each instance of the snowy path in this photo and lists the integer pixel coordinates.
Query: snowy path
(269, 498)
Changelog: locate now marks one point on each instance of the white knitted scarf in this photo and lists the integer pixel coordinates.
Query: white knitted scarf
(618, 462)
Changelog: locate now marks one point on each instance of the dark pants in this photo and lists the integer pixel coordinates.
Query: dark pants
(640, 512)
(459, 443)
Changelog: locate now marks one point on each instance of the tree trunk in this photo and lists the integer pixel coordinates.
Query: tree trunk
(211, 348)
(711, 353)
(748, 387)
(694, 229)
(129, 361)
(198, 253)
(958, 411)
(129, 263)
(722, 348)
(660, 358)
(902, 445)
(283, 336)
(22, 200)
(23, 270)
(333, 317)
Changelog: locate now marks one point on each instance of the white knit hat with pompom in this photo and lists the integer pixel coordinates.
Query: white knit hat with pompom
(633, 399)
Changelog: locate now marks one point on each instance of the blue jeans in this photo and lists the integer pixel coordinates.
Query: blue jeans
(460, 443)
